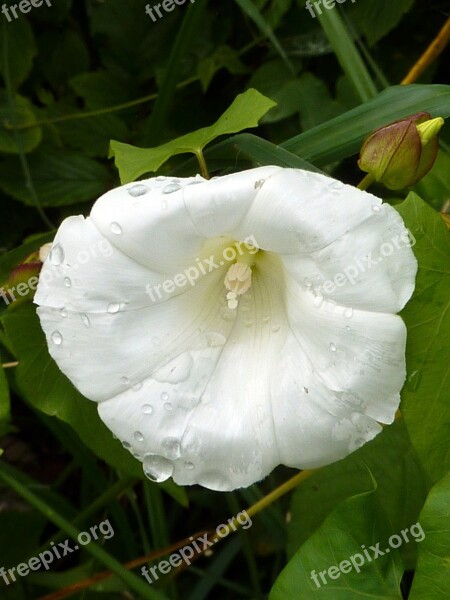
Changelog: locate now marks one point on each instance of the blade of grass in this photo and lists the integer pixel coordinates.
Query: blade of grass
(163, 103)
(255, 15)
(347, 53)
(136, 583)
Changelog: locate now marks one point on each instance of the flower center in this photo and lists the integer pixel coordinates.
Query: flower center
(238, 279)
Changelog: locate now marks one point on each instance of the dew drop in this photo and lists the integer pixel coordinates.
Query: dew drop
(168, 406)
(124, 380)
(318, 301)
(215, 339)
(138, 436)
(67, 282)
(333, 347)
(189, 465)
(126, 445)
(160, 178)
(376, 208)
(348, 313)
(347, 327)
(113, 308)
(137, 386)
(157, 468)
(63, 312)
(56, 255)
(172, 187)
(115, 228)
(275, 328)
(164, 396)
(86, 320)
(147, 409)
(171, 448)
(307, 282)
(138, 190)
(57, 338)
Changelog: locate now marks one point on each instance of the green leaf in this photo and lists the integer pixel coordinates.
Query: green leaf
(5, 407)
(377, 18)
(315, 102)
(425, 397)
(92, 135)
(244, 112)
(356, 522)
(59, 178)
(401, 487)
(20, 113)
(434, 187)
(101, 89)
(20, 50)
(62, 54)
(342, 136)
(432, 578)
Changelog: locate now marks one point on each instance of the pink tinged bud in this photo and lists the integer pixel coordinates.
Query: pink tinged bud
(400, 154)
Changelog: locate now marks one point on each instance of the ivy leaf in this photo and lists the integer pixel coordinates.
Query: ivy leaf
(313, 572)
(244, 112)
(425, 397)
(432, 578)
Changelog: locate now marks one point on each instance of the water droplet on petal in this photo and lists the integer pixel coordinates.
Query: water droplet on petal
(160, 178)
(126, 445)
(164, 396)
(376, 208)
(275, 328)
(168, 406)
(347, 327)
(138, 436)
(215, 339)
(171, 448)
(172, 187)
(318, 301)
(189, 465)
(138, 190)
(137, 386)
(115, 228)
(124, 380)
(67, 282)
(157, 468)
(113, 308)
(307, 282)
(348, 313)
(63, 312)
(147, 409)
(57, 338)
(56, 255)
(86, 320)
(333, 347)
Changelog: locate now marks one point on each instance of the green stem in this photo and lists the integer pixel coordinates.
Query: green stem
(366, 182)
(136, 583)
(202, 163)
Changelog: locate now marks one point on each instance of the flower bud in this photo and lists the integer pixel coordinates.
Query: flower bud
(400, 154)
(22, 281)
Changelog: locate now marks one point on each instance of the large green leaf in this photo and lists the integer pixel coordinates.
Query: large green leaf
(432, 578)
(434, 187)
(426, 398)
(354, 523)
(376, 18)
(59, 178)
(342, 136)
(244, 112)
(401, 487)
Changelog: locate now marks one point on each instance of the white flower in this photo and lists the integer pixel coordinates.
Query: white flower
(291, 353)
